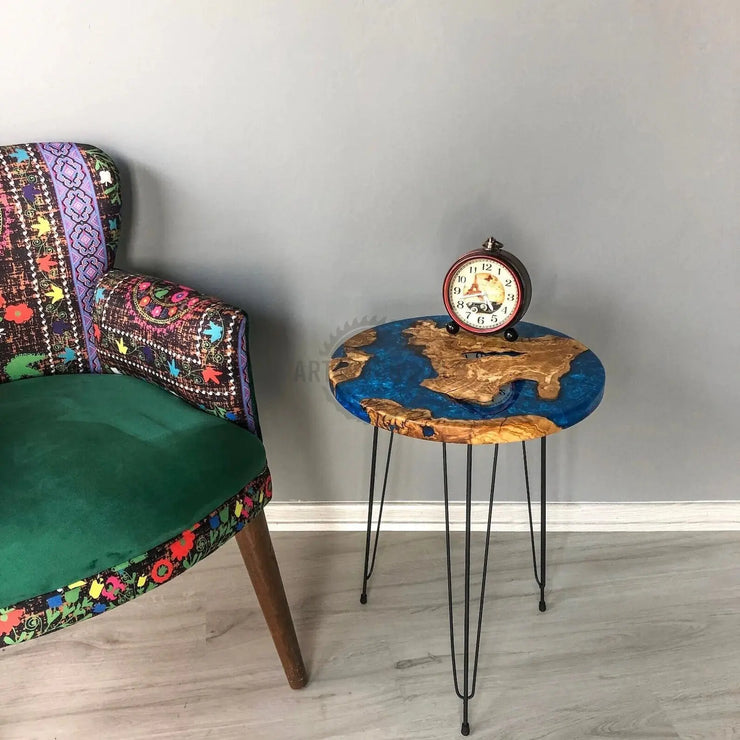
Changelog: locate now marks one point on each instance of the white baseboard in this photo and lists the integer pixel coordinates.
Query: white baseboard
(416, 516)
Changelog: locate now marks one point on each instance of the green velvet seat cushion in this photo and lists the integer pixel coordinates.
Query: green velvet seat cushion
(98, 469)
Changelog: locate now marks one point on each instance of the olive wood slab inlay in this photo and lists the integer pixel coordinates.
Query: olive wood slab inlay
(413, 377)
(420, 424)
(350, 366)
(472, 367)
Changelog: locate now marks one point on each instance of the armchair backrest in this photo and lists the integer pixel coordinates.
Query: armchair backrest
(59, 225)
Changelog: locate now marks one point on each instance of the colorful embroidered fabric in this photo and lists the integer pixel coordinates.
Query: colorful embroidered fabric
(59, 225)
(115, 586)
(187, 343)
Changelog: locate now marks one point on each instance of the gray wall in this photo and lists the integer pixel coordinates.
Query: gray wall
(301, 159)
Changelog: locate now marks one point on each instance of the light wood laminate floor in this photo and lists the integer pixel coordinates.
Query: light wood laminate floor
(641, 640)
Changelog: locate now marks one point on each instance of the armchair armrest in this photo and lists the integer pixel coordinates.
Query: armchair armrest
(192, 345)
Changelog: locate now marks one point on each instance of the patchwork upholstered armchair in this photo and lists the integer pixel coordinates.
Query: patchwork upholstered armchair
(111, 485)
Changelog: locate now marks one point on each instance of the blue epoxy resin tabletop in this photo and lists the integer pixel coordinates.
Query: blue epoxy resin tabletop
(413, 377)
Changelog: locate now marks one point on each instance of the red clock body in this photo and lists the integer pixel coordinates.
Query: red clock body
(487, 291)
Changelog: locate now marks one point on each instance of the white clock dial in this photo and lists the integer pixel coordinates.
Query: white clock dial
(484, 294)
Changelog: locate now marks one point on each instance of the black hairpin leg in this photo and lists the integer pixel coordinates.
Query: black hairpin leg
(540, 577)
(469, 681)
(368, 571)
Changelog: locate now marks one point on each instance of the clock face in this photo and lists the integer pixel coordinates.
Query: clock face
(482, 294)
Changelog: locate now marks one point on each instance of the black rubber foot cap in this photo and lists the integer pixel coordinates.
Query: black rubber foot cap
(453, 328)
(543, 606)
(465, 729)
(511, 335)
(363, 598)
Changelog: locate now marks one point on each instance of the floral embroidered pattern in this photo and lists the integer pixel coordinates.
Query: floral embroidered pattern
(19, 313)
(59, 224)
(115, 586)
(192, 345)
(161, 304)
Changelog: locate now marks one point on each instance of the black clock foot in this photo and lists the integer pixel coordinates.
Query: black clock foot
(465, 729)
(543, 606)
(453, 328)
(511, 335)
(363, 598)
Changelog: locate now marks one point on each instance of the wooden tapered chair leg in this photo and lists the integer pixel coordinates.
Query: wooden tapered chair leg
(259, 557)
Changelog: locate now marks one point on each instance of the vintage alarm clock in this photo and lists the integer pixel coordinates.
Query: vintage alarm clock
(487, 291)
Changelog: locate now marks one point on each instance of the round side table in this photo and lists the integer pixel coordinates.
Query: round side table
(412, 377)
